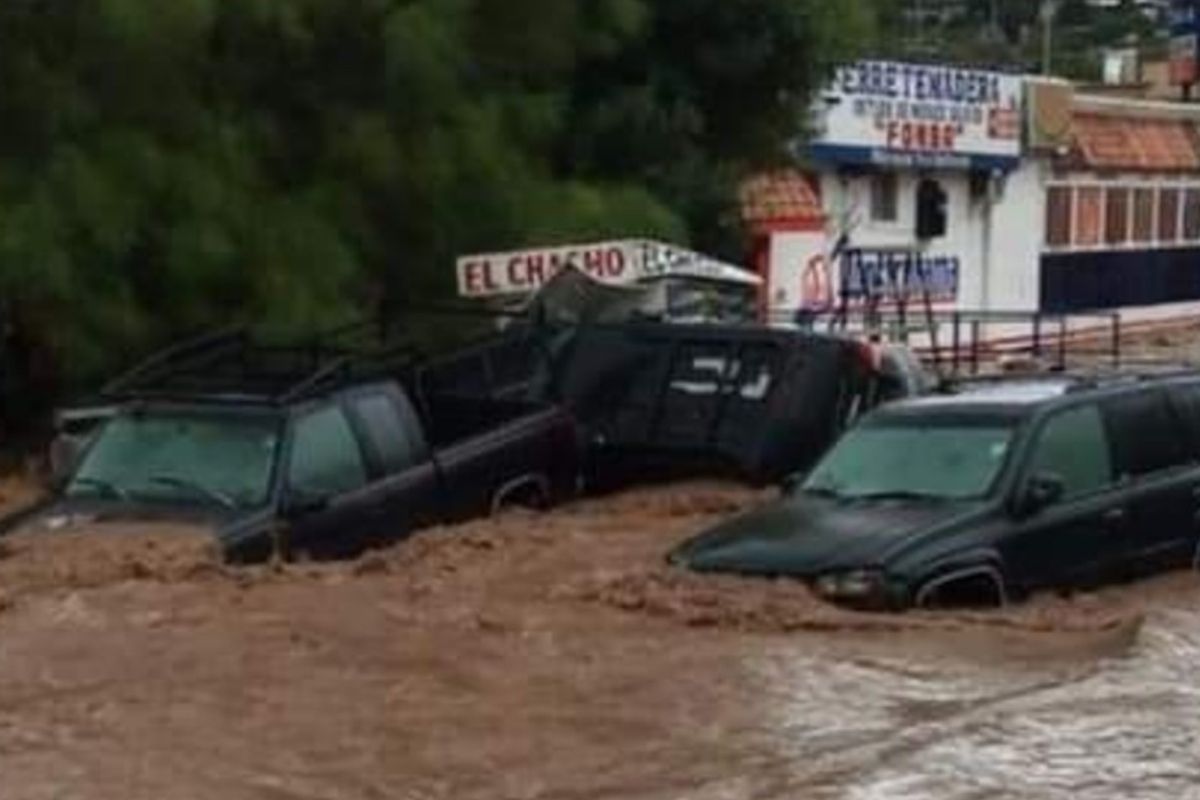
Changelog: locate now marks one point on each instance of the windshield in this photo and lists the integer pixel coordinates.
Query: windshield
(218, 459)
(914, 458)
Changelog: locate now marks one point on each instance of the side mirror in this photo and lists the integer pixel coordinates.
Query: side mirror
(1042, 490)
(792, 483)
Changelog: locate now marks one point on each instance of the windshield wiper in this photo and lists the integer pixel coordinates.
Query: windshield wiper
(196, 487)
(105, 487)
(822, 491)
(897, 495)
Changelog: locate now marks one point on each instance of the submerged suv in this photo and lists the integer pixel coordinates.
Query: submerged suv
(985, 496)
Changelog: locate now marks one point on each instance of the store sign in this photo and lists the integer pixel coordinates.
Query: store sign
(618, 263)
(1184, 23)
(804, 275)
(916, 116)
(525, 270)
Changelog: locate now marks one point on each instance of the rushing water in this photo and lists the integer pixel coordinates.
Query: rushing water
(556, 659)
(1124, 724)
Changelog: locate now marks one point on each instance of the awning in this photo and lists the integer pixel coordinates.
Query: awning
(779, 199)
(1105, 142)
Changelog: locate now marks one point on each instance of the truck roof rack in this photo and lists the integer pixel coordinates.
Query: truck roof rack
(1080, 379)
(233, 366)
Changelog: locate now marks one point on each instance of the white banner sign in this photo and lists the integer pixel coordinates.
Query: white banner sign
(618, 262)
(911, 115)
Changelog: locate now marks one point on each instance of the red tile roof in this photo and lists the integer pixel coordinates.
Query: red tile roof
(1107, 142)
(779, 197)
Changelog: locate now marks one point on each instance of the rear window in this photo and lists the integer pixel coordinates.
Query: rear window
(392, 440)
(1186, 401)
(1145, 435)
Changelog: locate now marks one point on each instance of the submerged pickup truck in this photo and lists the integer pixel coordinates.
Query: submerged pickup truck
(318, 461)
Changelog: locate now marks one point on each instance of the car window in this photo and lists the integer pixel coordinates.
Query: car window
(392, 438)
(1074, 446)
(1186, 401)
(1145, 435)
(326, 459)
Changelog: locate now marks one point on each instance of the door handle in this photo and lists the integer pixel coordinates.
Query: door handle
(1196, 493)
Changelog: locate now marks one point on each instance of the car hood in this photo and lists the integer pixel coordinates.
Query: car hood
(808, 536)
(77, 515)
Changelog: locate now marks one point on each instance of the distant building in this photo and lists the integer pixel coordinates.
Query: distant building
(1056, 199)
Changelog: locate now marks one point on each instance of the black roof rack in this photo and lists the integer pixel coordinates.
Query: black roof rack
(1080, 379)
(233, 366)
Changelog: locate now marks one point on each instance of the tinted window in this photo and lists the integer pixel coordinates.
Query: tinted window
(326, 459)
(1145, 436)
(392, 439)
(1073, 446)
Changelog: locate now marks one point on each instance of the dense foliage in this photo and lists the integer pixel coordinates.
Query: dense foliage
(1009, 33)
(168, 165)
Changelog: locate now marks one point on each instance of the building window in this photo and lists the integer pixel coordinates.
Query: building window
(1191, 214)
(1143, 215)
(1168, 215)
(1089, 211)
(1116, 215)
(885, 197)
(1058, 216)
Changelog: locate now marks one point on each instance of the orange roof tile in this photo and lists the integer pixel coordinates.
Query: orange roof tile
(1109, 142)
(780, 196)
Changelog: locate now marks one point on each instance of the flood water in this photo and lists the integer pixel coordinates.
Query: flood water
(556, 657)
(1119, 724)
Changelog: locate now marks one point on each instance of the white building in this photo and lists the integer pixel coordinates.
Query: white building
(1055, 202)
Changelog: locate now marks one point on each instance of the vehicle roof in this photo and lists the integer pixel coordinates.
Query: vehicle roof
(1010, 393)
(1029, 393)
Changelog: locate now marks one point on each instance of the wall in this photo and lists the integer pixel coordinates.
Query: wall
(1018, 220)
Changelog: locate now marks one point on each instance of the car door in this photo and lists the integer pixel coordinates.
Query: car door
(407, 488)
(1153, 464)
(330, 508)
(1080, 538)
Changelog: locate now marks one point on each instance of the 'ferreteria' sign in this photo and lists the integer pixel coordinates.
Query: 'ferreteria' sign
(911, 115)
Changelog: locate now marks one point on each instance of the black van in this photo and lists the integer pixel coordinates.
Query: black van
(985, 496)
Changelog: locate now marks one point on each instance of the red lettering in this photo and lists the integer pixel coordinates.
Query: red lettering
(892, 133)
(949, 134)
(477, 277)
(515, 273)
(922, 137)
(593, 263)
(535, 269)
(615, 262)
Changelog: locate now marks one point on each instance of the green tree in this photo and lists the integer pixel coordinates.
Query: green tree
(168, 166)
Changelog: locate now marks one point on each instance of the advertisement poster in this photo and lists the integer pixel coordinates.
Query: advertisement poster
(919, 116)
(805, 276)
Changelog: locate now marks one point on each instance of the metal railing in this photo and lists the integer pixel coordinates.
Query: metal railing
(974, 341)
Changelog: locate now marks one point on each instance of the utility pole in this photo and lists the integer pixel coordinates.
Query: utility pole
(920, 24)
(1048, 11)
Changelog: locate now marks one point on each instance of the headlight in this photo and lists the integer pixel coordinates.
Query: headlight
(857, 583)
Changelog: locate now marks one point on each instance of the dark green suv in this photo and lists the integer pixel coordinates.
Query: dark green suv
(985, 496)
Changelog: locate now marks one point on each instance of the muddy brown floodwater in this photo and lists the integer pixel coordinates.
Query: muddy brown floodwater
(554, 656)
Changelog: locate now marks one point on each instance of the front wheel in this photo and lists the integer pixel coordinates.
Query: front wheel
(972, 588)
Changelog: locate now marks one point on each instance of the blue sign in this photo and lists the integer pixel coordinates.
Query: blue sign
(892, 277)
(1183, 18)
